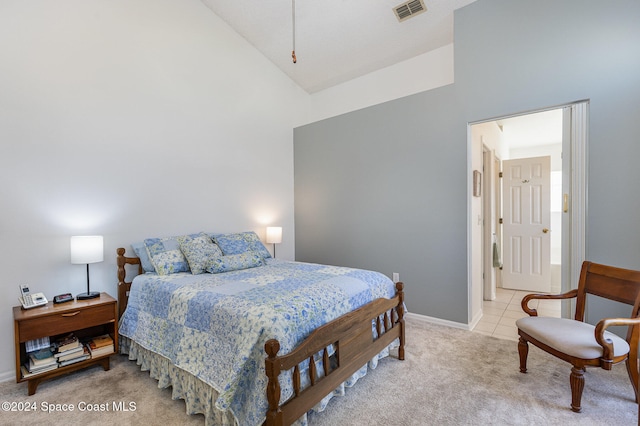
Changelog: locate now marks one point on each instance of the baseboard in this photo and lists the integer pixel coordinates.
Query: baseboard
(475, 320)
(7, 375)
(433, 320)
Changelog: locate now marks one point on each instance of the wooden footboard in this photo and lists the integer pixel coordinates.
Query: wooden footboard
(355, 344)
(351, 336)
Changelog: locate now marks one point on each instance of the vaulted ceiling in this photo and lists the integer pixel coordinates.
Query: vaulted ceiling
(337, 40)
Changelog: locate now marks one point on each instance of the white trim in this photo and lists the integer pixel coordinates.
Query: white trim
(488, 230)
(433, 320)
(578, 202)
(7, 375)
(469, 227)
(475, 320)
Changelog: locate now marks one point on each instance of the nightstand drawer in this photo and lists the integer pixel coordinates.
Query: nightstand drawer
(65, 322)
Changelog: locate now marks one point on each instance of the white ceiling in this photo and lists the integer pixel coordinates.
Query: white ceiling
(541, 128)
(337, 40)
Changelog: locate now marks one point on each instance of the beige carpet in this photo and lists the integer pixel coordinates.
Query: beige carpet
(449, 377)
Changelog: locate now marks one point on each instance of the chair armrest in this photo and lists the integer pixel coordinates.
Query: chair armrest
(533, 312)
(607, 345)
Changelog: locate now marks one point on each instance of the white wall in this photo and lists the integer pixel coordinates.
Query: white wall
(116, 116)
(424, 72)
(131, 119)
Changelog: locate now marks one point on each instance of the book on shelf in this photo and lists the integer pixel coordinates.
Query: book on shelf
(70, 341)
(76, 357)
(101, 345)
(37, 344)
(38, 360)
(101, 341)
(41, 354)
(26, 373)
(46, 365)
(73, 353)
(101, 351)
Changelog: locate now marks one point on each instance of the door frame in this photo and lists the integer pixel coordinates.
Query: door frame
(574, 167)
(490, 229)
(575, 138)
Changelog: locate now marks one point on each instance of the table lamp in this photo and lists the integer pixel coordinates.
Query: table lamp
(86, 250)
(274, 236)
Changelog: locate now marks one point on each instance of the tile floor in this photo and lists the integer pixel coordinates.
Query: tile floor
(500, 315)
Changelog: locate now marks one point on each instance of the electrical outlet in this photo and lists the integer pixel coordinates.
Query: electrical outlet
(396, 277)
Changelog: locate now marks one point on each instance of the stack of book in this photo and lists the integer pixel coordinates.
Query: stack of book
(67, 343)
(69, 350)
(38, 362)
(101, 345)
(73, 355)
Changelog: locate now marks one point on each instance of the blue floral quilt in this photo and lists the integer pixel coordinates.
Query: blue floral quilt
(214, 326)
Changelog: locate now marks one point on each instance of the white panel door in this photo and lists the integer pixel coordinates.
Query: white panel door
(527, 220)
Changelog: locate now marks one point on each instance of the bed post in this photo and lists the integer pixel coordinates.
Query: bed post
(400, 312)
(124, 286)
(272, 368)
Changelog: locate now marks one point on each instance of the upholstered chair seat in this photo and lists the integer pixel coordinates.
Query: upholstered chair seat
(574, 338)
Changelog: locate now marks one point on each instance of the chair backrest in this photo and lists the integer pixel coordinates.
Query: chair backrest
(610, 282)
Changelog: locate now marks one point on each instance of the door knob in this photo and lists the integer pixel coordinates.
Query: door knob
(545, 230)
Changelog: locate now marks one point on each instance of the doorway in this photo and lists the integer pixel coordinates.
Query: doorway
(552, 132)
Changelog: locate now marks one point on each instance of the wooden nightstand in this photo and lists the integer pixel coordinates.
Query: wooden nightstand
(85, 318)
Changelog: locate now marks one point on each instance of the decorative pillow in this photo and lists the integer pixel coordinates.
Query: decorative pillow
(241, 242)
(166, 256)
(234, 262)
(141, 251)
(198, 250)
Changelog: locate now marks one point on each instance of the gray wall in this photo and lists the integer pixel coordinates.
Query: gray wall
(385, 188)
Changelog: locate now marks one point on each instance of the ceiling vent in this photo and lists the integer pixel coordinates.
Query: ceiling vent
(409, 9)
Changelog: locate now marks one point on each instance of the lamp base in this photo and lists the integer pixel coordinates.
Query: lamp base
(88, 295)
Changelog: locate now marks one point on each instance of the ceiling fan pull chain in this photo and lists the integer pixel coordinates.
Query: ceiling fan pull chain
(293, 18)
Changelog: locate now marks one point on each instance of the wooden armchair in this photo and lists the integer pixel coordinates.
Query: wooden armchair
(581, 344)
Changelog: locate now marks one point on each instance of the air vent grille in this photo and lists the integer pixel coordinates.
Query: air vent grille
(409, 9)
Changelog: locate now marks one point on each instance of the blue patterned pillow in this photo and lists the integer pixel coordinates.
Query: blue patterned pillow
(241, 242)
(234, 262)
(198, 250)
(166, 256)
(141, 251)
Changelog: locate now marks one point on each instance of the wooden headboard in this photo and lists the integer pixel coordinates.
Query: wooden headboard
(124, 286)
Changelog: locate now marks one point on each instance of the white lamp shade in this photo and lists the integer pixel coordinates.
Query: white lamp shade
(274, 235)
(87, 249)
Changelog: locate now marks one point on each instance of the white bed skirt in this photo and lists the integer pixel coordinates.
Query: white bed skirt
(199, 397)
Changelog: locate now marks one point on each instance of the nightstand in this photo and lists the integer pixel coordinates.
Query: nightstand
(85, 318)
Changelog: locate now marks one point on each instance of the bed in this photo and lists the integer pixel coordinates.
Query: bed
(247, 339)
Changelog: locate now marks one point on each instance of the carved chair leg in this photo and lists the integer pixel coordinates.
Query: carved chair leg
(577, 385)
(523, 351)
(632, 369)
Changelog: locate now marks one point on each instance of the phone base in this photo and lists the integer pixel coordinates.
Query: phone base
(89, 295)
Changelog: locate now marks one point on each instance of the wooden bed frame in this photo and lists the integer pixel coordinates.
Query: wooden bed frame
(351, 336)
